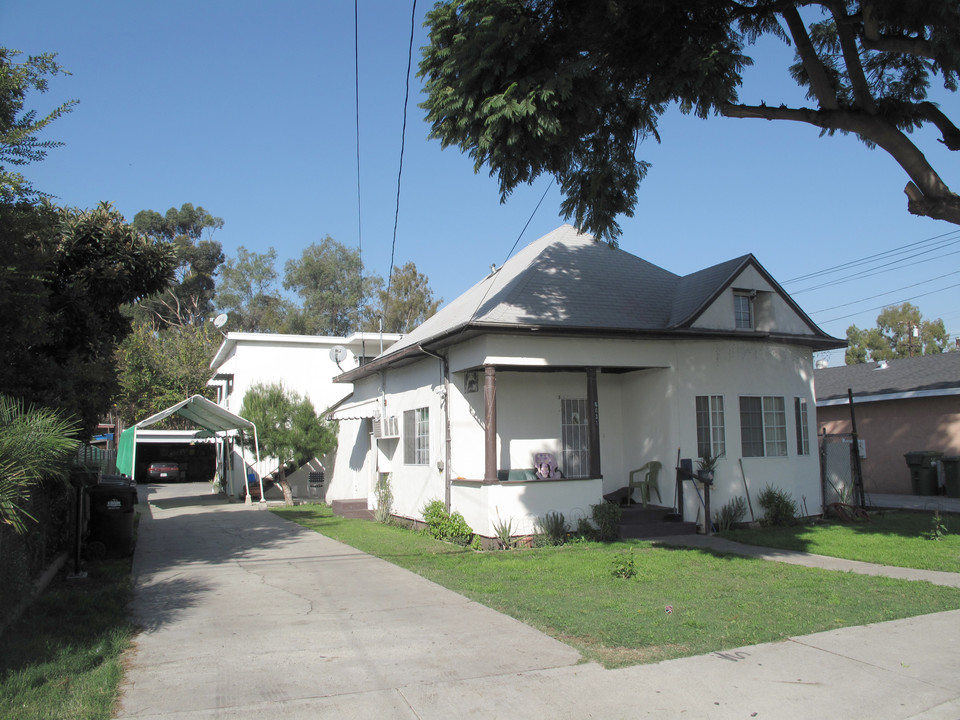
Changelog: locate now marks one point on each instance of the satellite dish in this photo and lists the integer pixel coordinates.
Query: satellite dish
(220, 320)
(338, 353)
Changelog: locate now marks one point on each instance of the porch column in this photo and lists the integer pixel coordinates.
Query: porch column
(593, 422)
(490, 423)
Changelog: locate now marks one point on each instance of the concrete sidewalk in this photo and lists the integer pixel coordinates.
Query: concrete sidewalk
(246, 615)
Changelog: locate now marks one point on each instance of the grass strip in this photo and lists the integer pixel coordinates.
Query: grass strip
(896, 537)
(62, 659)
(681, 601)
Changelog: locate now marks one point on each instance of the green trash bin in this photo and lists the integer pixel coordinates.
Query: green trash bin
(951, 475)
(923, 471)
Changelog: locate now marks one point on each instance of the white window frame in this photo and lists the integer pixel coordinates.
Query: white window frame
(711, 429)
(767, 433)
(803, 425)
(416, 436)
(743, 310)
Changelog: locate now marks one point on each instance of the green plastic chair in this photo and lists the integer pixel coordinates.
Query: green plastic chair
(650, 473)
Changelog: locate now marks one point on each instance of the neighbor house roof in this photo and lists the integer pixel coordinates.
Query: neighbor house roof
(567, 283)
(921, 376)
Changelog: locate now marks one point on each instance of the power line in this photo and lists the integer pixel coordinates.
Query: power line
(882, 269)
(876, 256)
(403, 135)
(899, 302)
(356, 78)
(509, 254)
(874, 297)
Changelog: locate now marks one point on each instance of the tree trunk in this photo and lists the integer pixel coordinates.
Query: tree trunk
(284, 485)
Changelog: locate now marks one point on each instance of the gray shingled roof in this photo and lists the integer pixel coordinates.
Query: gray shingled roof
(922, 373)
(567, 282)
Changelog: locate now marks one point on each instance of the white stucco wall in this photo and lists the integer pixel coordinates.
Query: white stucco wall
(645, 414)
(301, 363)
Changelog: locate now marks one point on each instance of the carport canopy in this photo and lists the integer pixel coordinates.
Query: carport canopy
(209, 416)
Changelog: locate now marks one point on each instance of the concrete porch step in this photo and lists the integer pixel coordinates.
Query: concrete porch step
(637, 521)
(354, 508)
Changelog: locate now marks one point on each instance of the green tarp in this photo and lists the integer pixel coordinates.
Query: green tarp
(128, 439)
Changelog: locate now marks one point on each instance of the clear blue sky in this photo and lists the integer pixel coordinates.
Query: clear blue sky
(248, 109)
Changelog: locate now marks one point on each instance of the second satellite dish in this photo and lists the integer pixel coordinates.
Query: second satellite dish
(338, 353)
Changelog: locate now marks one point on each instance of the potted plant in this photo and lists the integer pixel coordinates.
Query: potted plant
(706, 466)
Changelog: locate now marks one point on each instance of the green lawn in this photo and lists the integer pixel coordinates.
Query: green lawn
(888, 538)
(717, 602)
(62, 658)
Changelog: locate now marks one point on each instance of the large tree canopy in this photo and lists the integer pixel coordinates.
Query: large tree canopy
(19, 128)
(327, 277)
(408, 302)
(901, 332)
(188, 300)
(65, 278)
(570, 87)
(247, 291)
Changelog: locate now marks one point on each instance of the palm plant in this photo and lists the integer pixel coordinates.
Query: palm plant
(35, 443)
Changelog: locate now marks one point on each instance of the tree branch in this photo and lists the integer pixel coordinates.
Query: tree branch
(947, 208)
(819, 80)
(873, 40)
(928, 194)
(950, 132)
(851, 58)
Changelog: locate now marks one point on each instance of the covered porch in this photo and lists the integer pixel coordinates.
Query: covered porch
(582, 416)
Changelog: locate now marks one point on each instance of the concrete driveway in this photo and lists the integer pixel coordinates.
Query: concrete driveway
(246, 615)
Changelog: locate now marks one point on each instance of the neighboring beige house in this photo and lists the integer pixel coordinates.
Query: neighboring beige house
(900, 405)
(605, 361)
(304, 363)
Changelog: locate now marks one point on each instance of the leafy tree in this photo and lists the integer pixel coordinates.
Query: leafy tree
(409, 303)
(188, 300)
(19, 141)
(159, 368)
(35, 444)
(570, 87)
(894, 336)
(327, 277)
(73, 271)
(247, 291)
(288, 428)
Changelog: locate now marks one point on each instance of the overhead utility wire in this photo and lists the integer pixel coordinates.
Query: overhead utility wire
(888, 292)
(871, 272)
(403, 134)
(860, 261)
(509, 254)
(844, 317)
(356, 79)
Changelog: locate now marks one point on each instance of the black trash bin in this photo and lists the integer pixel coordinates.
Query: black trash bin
(112, 514)
(923, 471)
(951, 475)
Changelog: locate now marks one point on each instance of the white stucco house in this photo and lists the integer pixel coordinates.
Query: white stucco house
(306, 364)
(605, 361)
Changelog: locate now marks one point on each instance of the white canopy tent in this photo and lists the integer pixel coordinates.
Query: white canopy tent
(214, 420)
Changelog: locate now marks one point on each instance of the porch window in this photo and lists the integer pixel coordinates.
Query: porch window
(742, 311)
(763, 426)
(803, 429)
(575, 437)
(711, 434)
(416, 436)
